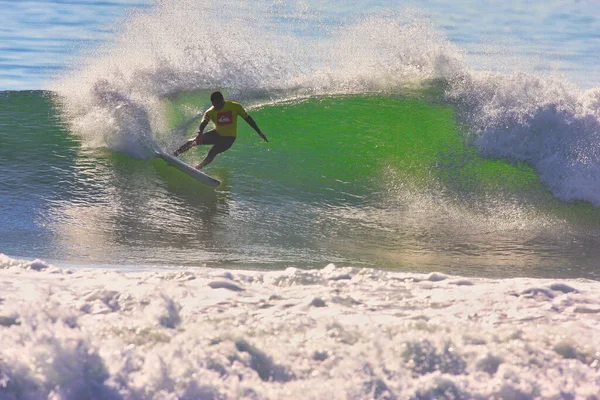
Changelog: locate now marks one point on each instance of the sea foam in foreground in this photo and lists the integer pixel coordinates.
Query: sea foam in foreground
(334, 333)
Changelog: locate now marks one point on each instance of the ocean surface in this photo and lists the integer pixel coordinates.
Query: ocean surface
(424, 222)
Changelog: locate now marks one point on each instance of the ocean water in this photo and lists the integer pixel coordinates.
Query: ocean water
(424, 222)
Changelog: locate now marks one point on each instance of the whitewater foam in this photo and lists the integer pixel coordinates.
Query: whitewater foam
(545, 122)
(335, 332)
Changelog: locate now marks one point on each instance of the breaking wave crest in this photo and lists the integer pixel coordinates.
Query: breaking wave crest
(261, 52)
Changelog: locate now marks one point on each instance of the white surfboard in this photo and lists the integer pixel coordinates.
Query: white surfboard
(188, 169)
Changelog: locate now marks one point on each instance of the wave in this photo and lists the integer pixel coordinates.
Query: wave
(261, 52)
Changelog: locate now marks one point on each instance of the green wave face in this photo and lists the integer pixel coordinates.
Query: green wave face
(360, 143)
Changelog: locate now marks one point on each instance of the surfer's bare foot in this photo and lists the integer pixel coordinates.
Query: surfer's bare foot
(186, 146)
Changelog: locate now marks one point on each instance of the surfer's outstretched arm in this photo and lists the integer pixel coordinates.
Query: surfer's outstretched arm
(251, 122)
(192, 142)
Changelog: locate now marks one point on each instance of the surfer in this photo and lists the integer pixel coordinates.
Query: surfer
(224, 115)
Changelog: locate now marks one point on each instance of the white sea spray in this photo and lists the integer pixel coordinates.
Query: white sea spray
(112, 97)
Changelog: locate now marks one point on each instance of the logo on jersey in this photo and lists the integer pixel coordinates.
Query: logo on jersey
(225, 118)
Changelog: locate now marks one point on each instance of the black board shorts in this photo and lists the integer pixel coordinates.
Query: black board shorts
(221, 143)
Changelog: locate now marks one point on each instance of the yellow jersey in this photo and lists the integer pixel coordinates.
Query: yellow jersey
(225, 119)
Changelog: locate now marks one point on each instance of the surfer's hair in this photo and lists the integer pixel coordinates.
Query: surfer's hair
(214, 96)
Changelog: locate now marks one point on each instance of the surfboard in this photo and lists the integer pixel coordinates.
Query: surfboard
(188, 169)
